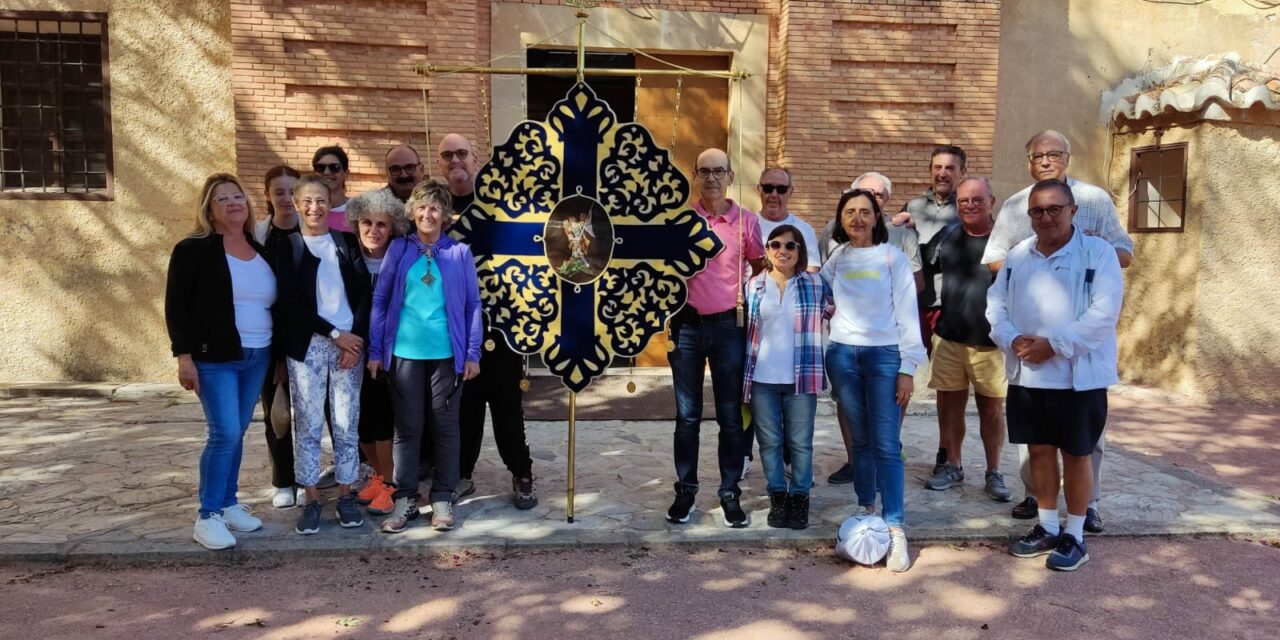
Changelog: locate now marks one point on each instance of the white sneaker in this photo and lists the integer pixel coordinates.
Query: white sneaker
(212, 533)
(899, 558)
(238, 518)
(283, 498)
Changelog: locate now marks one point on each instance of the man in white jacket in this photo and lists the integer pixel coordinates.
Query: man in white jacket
(1053, 310)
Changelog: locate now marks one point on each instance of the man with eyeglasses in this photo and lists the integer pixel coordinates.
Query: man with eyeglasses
(1048, 157)
(501, 369)
(1053, 311)
(904, 238)
(963, 353)
(404, 170)
(706, 331)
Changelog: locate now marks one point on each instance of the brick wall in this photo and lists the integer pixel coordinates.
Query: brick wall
(855, 85)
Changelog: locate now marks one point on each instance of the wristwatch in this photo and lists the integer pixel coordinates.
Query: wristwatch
(334, 333)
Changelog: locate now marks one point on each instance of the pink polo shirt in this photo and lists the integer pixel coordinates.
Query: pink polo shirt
(716, 288)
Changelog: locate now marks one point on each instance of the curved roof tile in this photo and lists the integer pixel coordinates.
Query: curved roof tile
(1211, 84)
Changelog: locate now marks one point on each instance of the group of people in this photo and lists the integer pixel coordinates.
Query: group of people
(369, 313)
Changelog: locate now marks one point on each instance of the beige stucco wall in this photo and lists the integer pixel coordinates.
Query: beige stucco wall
(84, 281)
(1058, 57)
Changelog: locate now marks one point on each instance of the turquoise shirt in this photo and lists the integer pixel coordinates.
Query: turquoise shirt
(423, 333)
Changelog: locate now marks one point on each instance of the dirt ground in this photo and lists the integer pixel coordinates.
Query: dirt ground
(1133, 589)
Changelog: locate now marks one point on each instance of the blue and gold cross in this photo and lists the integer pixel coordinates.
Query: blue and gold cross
(582, 238)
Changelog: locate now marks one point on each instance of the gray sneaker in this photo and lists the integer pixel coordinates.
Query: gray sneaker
(944, 477)
(404, 512)
(348, 513)
(309, 521)
(996, 488)
(442, 515)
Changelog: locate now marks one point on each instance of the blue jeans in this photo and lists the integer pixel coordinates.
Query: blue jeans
(865, 380)
(781, 413)
(228, 392)
(721, 342)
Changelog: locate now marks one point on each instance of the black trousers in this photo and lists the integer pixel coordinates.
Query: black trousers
(498, 387)
(425, 397)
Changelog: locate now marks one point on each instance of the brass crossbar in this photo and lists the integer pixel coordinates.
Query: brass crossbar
(428, 69)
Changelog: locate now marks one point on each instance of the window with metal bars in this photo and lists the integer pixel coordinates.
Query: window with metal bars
(55, 120)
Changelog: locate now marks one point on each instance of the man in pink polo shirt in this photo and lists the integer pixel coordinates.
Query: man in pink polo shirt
(706, 331)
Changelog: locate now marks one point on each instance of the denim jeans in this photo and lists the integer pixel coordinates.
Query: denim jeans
(781, 415)
(865, 380)
(722, 343)
(228, 392)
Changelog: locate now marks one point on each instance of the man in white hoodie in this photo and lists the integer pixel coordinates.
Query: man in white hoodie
(1053, 310)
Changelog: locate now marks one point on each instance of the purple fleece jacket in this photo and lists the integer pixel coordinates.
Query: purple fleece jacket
(461, 298)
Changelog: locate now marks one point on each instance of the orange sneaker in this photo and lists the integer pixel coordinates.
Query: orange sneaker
(382, 503)
(371, 490)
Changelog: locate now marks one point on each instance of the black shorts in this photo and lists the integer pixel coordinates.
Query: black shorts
(1064, 418)
(376, 420)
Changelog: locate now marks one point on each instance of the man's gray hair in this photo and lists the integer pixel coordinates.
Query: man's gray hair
(374, 202)
(888, 184)
(985, 182)
(1051, 134)
(790, 179)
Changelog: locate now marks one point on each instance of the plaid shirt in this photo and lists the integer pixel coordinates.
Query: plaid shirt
(811, 297)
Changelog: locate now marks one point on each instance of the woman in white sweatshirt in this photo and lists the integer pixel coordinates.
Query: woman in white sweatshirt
(875, 348)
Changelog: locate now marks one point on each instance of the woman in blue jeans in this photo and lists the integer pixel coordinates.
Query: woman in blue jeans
(218, 311)
(783, 372)
(875, 348)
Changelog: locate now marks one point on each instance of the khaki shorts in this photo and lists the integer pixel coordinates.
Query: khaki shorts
(955, 366)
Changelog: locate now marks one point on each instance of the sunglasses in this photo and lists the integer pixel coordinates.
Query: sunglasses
(770, 188)
(331, 167)
(790, 245)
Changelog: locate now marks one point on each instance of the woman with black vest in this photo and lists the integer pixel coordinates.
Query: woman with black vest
(324, 299)
(217, 308)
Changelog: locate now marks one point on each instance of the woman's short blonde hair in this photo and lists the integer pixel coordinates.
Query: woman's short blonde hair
(429, 192)
(374, 202)
(204, 216)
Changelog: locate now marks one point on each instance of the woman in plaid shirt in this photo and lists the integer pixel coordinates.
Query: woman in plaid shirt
(784, 370)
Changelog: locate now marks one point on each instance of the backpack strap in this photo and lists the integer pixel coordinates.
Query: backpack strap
(295, 240)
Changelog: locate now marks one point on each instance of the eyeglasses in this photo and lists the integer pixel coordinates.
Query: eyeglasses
(406, 169)
(719, 172)
(1053, 156)
(790, 245)
(780, 188)
(237, 198)
(460, 154)
(331, 167)
(1054, 211)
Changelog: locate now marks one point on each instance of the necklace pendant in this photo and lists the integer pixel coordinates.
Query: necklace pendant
(428, 279)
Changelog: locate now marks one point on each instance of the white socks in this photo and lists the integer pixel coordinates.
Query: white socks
(1075, 527)
(1049, 521)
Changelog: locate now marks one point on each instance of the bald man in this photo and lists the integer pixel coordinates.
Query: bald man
(707, 331)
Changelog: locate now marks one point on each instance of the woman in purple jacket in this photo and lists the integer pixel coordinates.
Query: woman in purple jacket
(425, 333)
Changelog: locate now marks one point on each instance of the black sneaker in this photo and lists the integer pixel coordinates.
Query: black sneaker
(1036, 543)
(1027, 509)
(734, 516)
(797, 511)
(348, 513)
(526, 496)
(843, 475)
(1068, 555)
(681, 508)
(778, 510)
(309, 521)
(1092, 521)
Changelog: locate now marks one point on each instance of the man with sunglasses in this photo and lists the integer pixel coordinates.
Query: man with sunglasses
(904, 238)
(707, 331)
(1053, 310)
(404, 170)
(775, 190)
(1048, 157)
(501, 369)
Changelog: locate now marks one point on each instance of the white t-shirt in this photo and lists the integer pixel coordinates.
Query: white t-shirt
(373, 264)
(875, 296)
(331, 295)
(253, 291)
(776, 361)
(810, 238)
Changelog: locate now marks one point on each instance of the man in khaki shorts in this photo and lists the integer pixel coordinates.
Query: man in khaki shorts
(963, 353)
